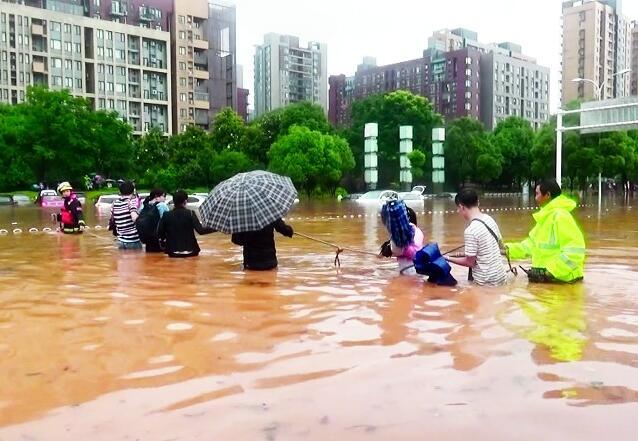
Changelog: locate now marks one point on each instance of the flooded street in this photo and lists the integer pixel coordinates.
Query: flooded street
(97, 344)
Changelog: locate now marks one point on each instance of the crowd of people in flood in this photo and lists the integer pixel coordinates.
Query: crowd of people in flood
(555, 245)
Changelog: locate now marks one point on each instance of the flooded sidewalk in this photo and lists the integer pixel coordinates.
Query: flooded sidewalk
(98, 344)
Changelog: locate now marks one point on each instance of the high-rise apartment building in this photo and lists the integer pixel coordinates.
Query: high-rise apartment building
(596, 46)
(118, 67)
(159, 63)
(634, 58)
(459, 76)
(513, 85)
(452, 82)
(286, 73)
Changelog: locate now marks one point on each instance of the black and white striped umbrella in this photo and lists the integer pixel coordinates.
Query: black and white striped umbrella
(248, 202)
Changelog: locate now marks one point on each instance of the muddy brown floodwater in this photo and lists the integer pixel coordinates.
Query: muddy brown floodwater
(97, 344)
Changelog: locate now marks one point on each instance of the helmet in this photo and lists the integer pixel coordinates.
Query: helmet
(64, 186)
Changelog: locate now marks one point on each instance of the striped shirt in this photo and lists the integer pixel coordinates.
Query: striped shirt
(479, 242)
(121, 213)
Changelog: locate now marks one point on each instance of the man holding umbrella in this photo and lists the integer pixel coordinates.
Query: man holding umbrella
(250, 207)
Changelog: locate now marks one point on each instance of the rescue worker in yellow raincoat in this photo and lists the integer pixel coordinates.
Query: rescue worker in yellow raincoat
(556, 244)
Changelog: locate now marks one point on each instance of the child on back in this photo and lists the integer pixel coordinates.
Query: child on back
(405, 237)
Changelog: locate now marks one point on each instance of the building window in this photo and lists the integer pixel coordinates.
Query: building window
(182, 80)
(100, 86)
(67, 28)
(182, 35)
(68, 82)
(121, 88)
(182, 65)
(68, 47)
(110, 70)
(78, 66)
(100, 34)
(182, 50)
(109, 53)
(56, 63)
(57, 80)
(78, 48)
(109, 35)
(100, 68)
(110, 86)
(78, 83)
(68, 64)
(100, 51)
(78, 30)
(55, 26)
(180, 19)
(56, 44)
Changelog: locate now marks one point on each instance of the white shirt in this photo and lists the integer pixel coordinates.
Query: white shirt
(480, 243)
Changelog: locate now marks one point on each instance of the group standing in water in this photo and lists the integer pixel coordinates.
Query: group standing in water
(555, 245)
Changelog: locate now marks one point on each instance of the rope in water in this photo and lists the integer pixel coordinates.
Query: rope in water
(337, 247)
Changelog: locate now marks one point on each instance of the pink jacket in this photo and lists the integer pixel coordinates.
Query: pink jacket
(406, 255)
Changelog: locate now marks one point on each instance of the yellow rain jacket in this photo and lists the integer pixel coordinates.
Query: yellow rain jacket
(555, 243)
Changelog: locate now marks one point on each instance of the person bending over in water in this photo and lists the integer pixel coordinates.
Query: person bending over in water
(405, 237)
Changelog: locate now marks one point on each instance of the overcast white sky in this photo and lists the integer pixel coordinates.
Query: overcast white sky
(398, 30)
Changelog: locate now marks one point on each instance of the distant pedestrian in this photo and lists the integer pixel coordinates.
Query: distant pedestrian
(71, 218)
(123, 216)
(177, 229)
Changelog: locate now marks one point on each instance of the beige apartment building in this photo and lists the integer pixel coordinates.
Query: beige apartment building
(634, 58)
(118, 67)
(204, 66)
(596, 46)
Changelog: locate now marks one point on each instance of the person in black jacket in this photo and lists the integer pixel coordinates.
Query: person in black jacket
(259, 246)
(177, 228)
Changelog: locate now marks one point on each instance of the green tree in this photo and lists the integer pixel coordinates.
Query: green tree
(470, 154)
(110, 140)
(514, 138)
(228, 163)
(191, 154)
(54, 126)
(390, 111)
(544, 152)
(268, 128)
(417, 162)
(16, 173)
(228, 130)
(315, 162)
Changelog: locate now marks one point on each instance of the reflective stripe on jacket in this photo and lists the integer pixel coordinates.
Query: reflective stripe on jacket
(555, 243)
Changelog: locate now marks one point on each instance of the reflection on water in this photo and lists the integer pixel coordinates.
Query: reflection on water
(100, 344)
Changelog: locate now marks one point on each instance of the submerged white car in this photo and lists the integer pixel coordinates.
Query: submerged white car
(377, 196)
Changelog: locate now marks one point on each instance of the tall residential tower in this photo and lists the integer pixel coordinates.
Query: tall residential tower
(596, 46)
(286, 73)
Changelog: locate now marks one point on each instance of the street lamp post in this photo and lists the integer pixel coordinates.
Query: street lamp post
(599, 95)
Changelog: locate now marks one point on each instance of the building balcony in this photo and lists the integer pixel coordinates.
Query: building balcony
(201, 74)
(39, 67)
(37, 29)
(202, 118)
(200, 44)
(201, 58)
(119, 9)
(201, 100)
